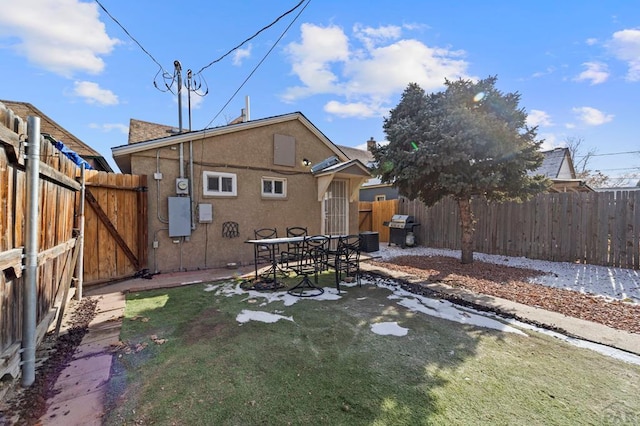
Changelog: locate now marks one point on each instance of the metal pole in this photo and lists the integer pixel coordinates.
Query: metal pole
(179, 72)
(191, 177)
(31, 253)
(80, 264)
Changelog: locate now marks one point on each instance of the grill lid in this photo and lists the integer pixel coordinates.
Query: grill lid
(400, 221)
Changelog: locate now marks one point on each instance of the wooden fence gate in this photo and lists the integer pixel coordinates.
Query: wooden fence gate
(373, 214)
(115, 230)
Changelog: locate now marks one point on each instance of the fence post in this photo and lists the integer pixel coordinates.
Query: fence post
(80, 264)
(31, 253)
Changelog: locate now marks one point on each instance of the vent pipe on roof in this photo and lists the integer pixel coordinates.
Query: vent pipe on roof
(246, 116)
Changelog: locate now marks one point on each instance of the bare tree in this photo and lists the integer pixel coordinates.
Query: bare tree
(580, 158)
(594, 178)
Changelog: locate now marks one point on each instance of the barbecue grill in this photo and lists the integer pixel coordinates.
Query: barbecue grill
(400, 226)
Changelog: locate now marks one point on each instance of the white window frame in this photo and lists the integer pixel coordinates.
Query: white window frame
(273, 180)
(381, 197)
(206, 191)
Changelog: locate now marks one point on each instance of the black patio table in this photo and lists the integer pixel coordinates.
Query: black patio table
(273, 244)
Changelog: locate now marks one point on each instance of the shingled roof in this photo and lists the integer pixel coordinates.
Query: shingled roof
(140, 131)
(59, 133)
(557, 164)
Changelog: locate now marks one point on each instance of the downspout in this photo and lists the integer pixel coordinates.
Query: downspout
(80, 264)
(31, 253)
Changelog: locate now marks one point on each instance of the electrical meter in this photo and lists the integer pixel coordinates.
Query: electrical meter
(182, 186)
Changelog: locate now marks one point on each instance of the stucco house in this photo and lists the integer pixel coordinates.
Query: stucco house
(210, 189)
(59, 133)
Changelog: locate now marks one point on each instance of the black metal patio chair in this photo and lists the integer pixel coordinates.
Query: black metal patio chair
(346, 259)
(294, 250)
(312, 262)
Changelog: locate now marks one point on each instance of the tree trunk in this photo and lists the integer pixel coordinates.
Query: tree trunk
(466, 224)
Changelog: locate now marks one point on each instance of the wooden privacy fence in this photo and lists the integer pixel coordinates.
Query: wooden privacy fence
(599, 228)
(57, 242)
(373, 214)
(115, 230)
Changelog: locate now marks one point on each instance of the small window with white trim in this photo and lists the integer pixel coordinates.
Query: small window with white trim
(218, 184)
(381, 197)
(274, 187)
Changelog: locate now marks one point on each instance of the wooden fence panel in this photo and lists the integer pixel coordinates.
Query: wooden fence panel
(56, 241)
(596, 228)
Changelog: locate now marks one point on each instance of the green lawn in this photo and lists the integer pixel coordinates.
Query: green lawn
(322, 365)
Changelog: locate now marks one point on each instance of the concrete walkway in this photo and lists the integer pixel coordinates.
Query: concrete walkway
(81, 386)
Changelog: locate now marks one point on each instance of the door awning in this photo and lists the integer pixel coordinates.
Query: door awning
(353, 171)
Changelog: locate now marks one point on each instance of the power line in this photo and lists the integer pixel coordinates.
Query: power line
(252, 37)
(259, 63)
(622, 168)
(608, 153)
(130, 36)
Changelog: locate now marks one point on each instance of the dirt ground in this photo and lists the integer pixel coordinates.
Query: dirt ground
(26, 406)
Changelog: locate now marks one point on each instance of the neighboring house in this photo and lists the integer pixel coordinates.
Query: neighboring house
(373, 189)
(558, 167)
(275, 172)
(58, 133)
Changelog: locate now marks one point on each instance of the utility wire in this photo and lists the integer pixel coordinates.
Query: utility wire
(252, 37)
(608, 153)
(259, 63)
(130, 36)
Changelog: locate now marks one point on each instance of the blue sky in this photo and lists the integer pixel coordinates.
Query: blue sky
(344, 64)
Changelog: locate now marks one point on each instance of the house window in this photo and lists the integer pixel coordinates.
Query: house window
(220, 184)
(274, 187)
(381, 197)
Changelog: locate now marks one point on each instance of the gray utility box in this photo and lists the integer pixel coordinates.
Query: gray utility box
(369, 241)
(179, 216)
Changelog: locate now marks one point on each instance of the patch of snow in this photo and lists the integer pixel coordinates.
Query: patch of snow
(389, 329)
(444, 309)
(609, 282)
(247, 315)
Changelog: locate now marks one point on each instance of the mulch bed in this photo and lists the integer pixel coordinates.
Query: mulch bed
(511, 283)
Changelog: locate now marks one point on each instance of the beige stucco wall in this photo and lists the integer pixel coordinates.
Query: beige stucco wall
(249, 154)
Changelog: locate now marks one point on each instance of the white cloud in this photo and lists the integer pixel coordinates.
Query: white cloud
(368, 75)
(354, 109)
(625, 45)
(62, 36)
(591, 41)
(591, 116)
(196, 99)
(538, 118)
(550, 141)
(93, 94)
(372, 37)
(241, 54)
(548, 71)
(108, 127)
(312, 57)
(596, 73)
